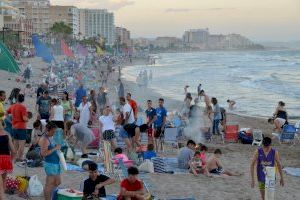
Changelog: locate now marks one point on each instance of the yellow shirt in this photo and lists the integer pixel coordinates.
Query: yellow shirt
(2, 112)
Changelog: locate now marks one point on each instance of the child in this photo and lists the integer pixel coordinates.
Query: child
(150, 153)
(196, 164)
(119, 155)
(131, 187)
(7, 152)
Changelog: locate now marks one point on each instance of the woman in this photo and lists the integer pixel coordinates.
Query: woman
(51, 160)
(217, 116)
(57, 114)
(7, 152)
(68, 107)
(107, 127)
(92, 96)
(280, 117)
(80, 133)
(14, 95)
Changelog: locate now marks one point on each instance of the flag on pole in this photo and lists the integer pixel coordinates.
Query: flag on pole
(41, 50)
(65, 49)
(7, 61)
(81, 50)
(99, 51)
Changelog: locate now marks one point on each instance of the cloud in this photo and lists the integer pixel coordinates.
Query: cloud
(96, 4)
(169, 10)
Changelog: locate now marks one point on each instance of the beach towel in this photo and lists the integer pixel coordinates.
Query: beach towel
(292, 171)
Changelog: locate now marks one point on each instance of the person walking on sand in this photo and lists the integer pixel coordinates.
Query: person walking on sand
(80, 93)
(265, 157)
(133, 105)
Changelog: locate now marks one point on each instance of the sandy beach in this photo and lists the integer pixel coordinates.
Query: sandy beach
(235, 156)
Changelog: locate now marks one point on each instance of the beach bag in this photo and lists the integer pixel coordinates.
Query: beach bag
(62, 160)
(35, 187)
(23, 184)
(147, 166)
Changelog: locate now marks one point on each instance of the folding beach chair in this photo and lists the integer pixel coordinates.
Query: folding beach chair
(288, 134)
(297, 126)
(257, 137)
(170, 137)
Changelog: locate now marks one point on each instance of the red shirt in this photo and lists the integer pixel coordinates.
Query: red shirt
(136, 186)
(134, 107)
(17, 111)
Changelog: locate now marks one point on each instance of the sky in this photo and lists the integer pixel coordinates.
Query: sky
(259, 20)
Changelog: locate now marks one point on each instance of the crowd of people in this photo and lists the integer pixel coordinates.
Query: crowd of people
(72, 113)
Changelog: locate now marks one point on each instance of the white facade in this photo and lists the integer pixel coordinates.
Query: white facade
(95, 22)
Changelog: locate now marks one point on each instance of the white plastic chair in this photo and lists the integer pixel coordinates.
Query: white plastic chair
(257, 137)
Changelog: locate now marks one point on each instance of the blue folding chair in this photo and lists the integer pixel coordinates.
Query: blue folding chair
(288, 134)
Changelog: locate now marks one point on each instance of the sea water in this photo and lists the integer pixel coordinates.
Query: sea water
(256, 80)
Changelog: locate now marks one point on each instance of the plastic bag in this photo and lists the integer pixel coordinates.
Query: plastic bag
(147, 166)
(35, 187)
(70, 154)
(62, 160)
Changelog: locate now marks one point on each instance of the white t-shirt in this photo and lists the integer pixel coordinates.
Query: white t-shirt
(84, 113)
(127, 109)
(107, 123)
(58, 114)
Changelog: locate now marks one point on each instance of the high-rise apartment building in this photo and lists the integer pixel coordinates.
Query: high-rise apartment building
(97, 22)
(67, 14)
(123, 36)
(36, 10)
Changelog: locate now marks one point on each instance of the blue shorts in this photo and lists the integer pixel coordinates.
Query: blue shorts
(52, 169)
(19, 134)
(123, 133)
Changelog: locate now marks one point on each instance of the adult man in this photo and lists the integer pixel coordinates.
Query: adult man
(2, 99)
(160, 122)
(43, 105)
(186, 154)
(134, 132)
(131, 187)
(79, 94)
(121, 92)
(85, 111)
(265, 157)
(151, 118)
(133, 105)
(40, 90)
(102, 99)
(19, 120)
(94, 186)
(207, 104)
(127, 111)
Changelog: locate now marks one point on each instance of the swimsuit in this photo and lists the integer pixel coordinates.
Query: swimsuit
(217, 171)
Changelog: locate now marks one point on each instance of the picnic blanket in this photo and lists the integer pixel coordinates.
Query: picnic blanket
(292, 171)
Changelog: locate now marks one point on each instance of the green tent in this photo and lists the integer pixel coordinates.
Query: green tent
(7, 61)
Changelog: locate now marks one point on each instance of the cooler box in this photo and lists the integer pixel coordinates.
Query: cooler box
(231, 133)
(64, 194)
(95, 143)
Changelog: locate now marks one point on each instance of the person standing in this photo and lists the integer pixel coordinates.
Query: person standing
(85, 111)
(102, 100)
(160, 123)
(151, 118)
(79, 94)
(133, 105)
(40, 90)
(121, 92)
(7, 153)
(107, 127)
(67, 106)
(19, 120)
(265, 157)
(2, 111)
(128, 115)
(217, 116)
(43, 105)
(51, 160)
(57, 114)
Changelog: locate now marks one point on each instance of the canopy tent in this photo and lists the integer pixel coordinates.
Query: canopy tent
(7, 61)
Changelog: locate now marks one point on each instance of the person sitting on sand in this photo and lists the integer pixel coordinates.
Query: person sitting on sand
(265, 157)
(131, 187)
(215, 167)
(280, 117)
(94, 186)
(186, 154)
(231, 104)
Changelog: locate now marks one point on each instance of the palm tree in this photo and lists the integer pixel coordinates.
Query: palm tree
(61, 30)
